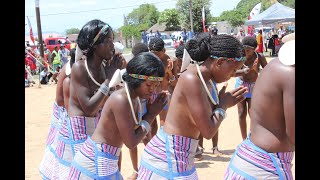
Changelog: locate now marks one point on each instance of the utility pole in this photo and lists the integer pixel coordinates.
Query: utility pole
(190, 12)
(39, 28)
(39, 35)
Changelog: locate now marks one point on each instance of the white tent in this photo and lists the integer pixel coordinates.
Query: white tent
(275, 13)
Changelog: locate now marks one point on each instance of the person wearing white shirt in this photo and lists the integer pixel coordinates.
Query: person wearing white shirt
(241, 35)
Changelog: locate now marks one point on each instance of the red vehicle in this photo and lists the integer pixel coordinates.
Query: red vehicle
(50, 43)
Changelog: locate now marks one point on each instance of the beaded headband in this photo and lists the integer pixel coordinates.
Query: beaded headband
(236, 59)
(247, 46)
(103, 29)
(144, 77)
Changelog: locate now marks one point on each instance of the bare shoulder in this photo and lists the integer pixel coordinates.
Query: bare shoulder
(190, 81)
(189, 78)
(278, 72)
(118, 99)
(78, 69)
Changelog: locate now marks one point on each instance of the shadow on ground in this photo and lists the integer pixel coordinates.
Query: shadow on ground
(209, 158)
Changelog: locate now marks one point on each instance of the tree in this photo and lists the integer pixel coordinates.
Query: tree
(72, 31)
(144, 14)
(184, 16)
(289, 3)
(132, 31)
(234, 17)
(240, 14)
(170, 17)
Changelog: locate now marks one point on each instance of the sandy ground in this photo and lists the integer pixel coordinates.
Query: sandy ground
(38, 108)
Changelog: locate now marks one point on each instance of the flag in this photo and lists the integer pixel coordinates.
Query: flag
(204, 20)
(255, 11)
(31, 33)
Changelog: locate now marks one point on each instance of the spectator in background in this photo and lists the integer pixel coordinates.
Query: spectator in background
(48, 55)
(184, 35)
(30, 60)
(56, 58)
(73, 45)
(158, 34)
(214, 31)
(45, 76)
(63, 53)
(281, 31)
(271, 45)
(260, 42)
(150, 36)
(190, 34)
(144, 37)
(241, 35)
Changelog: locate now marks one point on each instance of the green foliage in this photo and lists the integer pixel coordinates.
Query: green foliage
(72, 31)
(289, 3)
(213, 19)
(184, 16)
(170, 17)
(234, 17)
(144, 14)
(239, 15)
(129, 31)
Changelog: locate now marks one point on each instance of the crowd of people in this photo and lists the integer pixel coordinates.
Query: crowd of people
(179, 36)
(47, 67)
(104, 102)
(271, 39)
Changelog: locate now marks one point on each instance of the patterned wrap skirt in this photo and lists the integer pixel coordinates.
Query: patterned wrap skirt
(168, 157)
(95, 161)
(49, 162)
(251, 162)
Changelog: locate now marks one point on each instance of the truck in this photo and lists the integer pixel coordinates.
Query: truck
(51, 42)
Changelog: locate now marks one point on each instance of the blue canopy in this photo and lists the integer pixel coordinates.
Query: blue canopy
(275, 13)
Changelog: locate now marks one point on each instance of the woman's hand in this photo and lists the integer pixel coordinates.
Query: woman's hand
(255, 65)
(229, 99)
(158, 104)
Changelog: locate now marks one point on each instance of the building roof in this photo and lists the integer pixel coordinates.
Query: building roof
(158, 26)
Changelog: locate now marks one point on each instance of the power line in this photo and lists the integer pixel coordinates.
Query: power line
(75, 12)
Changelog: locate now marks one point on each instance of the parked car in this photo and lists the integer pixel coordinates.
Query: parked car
(50, 43)
(168, 42)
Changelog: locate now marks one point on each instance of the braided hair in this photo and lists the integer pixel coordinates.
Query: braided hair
(204, 45)
(145, 63)
(179, 51)
(139, 48)
(156, 44)
(250, 41)
(88, 33)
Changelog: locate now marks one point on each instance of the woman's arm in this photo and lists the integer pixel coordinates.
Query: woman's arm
(88, 103)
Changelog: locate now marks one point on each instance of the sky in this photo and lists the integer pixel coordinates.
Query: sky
(59, 15)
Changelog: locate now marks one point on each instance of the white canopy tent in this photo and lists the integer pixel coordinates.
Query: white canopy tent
(275, 13)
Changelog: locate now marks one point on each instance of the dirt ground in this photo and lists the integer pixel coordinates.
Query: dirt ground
(38, 108)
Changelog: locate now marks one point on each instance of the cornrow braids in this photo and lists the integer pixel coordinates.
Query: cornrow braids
(198, 48)
(226, 46)
(179, 51)
(222, 45)
(250, 41)
(139, 48)
(156, 44)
